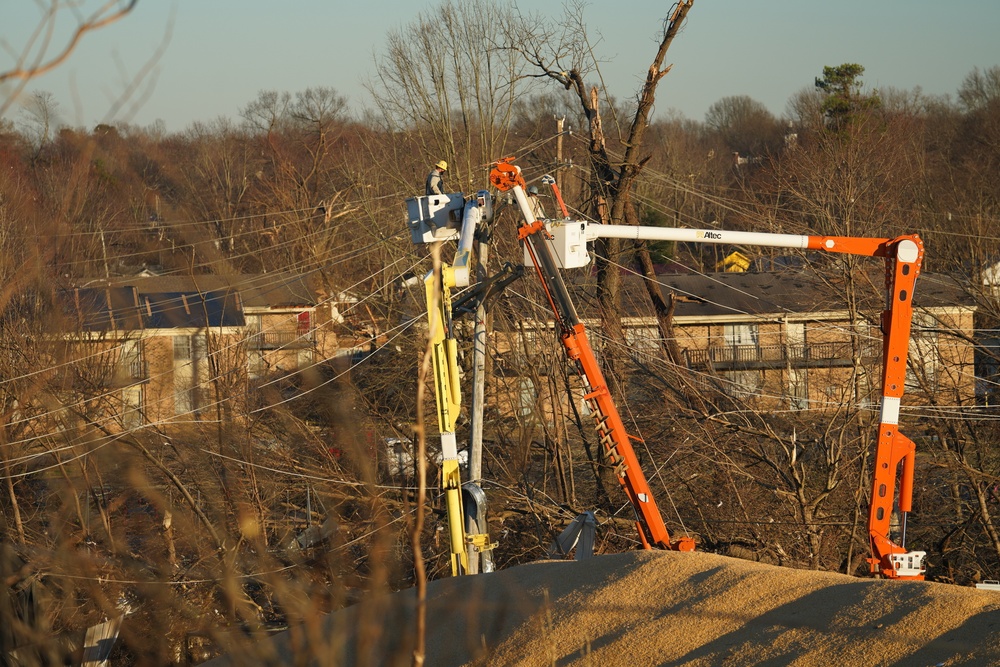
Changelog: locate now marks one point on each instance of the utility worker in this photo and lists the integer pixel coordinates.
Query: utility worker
(536, 205)
(435, 179)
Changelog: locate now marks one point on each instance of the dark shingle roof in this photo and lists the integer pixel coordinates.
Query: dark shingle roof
(790, 291)
(265, 290)
(126, 309)
(717, 294)
(101, 308)
(170, 310)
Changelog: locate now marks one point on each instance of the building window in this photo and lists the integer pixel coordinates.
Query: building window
(182, 348)
(131, 361)
(795, 346)
(256, 364)
(741, 345)
(190, 369)
(922, 365)
(740, 335)
(527, 397)
(743, 384)
(254, 329)
(798, 388)
(132, 407)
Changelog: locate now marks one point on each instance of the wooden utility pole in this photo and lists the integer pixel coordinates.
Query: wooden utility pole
(560, 122)
(478, 391)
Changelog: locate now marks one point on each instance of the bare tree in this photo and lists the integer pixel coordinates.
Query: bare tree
(214, 171)
(612, 180)
(980, 88)
(446, 88)
(745, 125)
(40, 55)
(41, 117)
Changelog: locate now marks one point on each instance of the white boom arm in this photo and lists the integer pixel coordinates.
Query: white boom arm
(569, 240)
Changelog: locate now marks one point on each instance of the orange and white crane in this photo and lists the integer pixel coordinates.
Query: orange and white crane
(554, 245)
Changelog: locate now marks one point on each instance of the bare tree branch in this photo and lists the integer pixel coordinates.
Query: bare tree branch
(99, 19)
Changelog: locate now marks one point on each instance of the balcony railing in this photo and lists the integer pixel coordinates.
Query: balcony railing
(762, 357)
(276, 340)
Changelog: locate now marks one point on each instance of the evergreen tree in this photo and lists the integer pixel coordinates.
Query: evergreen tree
(844, 96)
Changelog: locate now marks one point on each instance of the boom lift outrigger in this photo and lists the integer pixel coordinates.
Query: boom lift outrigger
(902, 255)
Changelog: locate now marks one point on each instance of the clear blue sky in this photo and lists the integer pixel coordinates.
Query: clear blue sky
(220, 53)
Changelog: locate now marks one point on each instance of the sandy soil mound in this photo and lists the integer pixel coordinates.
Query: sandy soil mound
(661, 608)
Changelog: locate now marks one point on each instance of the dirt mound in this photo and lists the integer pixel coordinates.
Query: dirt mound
(662, 608)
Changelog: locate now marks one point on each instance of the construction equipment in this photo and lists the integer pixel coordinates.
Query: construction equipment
(435, 218)
(554, 245)
(610, 428)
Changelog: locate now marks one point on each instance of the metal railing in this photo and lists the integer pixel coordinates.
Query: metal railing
(274, 340)
(750, 357)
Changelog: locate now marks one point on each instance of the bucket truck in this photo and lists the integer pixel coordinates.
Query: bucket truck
(554, 245)
(436, 218)
(610, 428)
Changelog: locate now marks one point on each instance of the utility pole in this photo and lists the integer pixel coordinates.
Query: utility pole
(560, 120)
(478, 374)
(478, 391)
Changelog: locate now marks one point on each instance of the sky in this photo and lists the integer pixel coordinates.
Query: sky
(210, 58)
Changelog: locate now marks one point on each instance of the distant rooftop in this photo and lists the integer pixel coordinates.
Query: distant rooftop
(126, 309)
(264, 290)
(792, 291)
